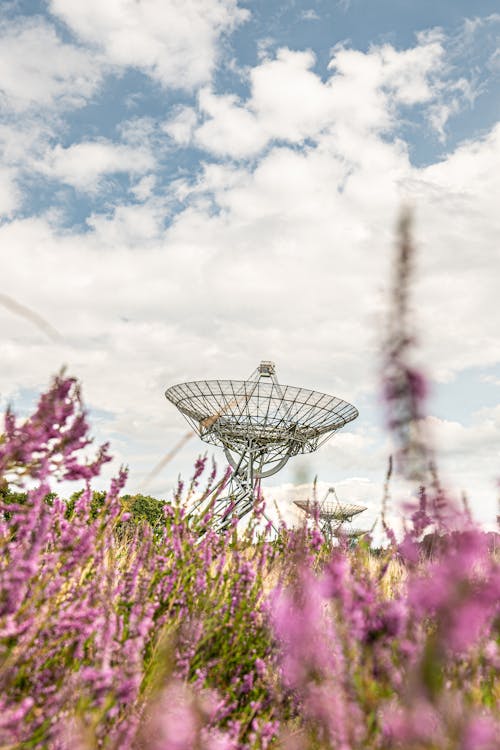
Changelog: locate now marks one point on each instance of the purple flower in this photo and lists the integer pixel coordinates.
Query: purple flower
(481, 733)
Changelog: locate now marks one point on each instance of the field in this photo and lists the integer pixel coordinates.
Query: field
(127, 624)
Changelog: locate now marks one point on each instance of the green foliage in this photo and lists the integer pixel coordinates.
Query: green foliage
(145, 508)
(9, 496)
(141, 507)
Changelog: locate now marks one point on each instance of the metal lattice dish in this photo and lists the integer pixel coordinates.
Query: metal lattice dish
(333, 515)
(335, 511)
(259, 423)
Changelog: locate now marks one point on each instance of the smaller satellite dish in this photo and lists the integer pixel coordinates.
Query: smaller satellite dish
(332, 515)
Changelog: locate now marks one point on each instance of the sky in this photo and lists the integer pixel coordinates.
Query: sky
(188, 187)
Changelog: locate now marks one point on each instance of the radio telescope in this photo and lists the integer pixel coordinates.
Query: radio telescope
(332, 515)
(260, 424)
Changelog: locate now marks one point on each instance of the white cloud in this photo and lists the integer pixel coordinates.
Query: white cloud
(143, 189)
(468, 169)
(345, 448)
(439, 113)
(285, 267)
(18, 142)
(174, 43)
(439, 116)
(309, 15)
(230, 129)
(471, 25)
(41, 77)
(290, 102)
(10, 195)
(181, 125)
(457, 227)
(38, 69)
(494, 61)
(82, 165)
(467, 458)
(129, 225)
(472, 442)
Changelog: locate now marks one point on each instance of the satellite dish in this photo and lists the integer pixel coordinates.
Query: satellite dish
(260, 424)
(332, 515)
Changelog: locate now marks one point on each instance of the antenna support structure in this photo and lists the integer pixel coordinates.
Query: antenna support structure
(260, 424)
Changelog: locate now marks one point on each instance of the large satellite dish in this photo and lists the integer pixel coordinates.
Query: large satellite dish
(260, 424)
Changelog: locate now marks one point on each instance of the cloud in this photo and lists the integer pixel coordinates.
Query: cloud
(456, 230)
(256, 264)
(42, 77)
(289, 102)
(129, 225)
(16, 145)
(181, 125)
(174, 43)
(482, 436)
(494, 61)
(144, 188)
(38, 69)
(84, 164)
(309, 15)
(345, 448)
(10, 195)
(467, 457)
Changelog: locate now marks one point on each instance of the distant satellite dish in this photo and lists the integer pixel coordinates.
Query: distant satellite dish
(332, 515)
(260, 424)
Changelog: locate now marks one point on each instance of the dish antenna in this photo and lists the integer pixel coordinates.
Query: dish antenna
(260, 424)
(332, 515)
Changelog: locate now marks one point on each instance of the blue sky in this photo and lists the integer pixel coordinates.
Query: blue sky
(187, 188)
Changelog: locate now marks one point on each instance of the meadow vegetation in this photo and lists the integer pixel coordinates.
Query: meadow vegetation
(128, 623)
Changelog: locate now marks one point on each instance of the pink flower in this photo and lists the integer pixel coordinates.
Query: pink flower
(481, 733)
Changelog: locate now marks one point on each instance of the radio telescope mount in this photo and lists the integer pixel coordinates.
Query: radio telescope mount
(260, 424)
(332, 515)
